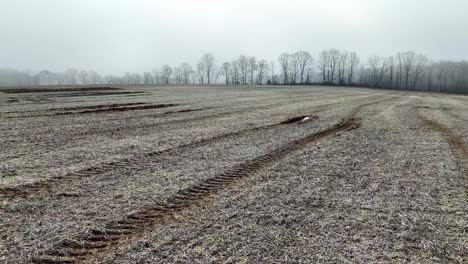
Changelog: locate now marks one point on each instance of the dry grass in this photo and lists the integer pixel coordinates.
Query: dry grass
(392, 190)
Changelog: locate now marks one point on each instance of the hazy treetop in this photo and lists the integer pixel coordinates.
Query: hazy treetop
(136, 35)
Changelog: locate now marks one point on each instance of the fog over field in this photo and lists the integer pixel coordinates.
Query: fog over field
(114, 37)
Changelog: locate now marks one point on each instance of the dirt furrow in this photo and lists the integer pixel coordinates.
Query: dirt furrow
(99, 242)
(116, 130)
(118, 108)
(134, 163)
(67, 109)
(456, 142)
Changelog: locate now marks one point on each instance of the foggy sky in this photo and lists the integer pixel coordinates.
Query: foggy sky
(116, 36)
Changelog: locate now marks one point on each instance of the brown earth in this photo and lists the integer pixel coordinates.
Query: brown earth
(233, 175)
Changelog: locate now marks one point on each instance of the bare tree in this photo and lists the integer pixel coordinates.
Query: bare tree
(243, 63)
(342, 62)
(353, 63)
(94, 77)
(252, 68)
(284, 61)
(262, 71)
(209, 67)
(201, 73)
(178, 75)
(272, 74)
(186, 72)
(419, 67)
(391, 69)
(83, 75)
(226, 70)
(304, 61)
(157, 75)
(407, 61)
(333, 64)
(378, 68)
(295, 65)
(323, 62)
(148, 78)
(235, 73)
(328, 63)
(405, 70)
(166, 72)
(71, 76)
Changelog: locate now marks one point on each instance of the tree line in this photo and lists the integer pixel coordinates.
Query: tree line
(402, 71)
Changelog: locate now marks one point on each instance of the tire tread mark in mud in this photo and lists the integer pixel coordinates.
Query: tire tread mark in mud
(101, 109)
(134, 163)
(456, 142)
(178, 122)
(100, 242)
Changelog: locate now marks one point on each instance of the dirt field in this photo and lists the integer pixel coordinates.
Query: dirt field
(233, 175)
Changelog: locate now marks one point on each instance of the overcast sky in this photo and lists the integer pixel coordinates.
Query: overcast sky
(115, 36)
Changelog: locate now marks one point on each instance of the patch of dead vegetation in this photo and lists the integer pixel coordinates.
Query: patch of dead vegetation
(456, 142)
(129, 228)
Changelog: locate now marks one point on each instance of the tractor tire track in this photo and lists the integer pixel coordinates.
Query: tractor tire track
(49, 146)
(134, 163)
(46, 187)
(455, 141)
(99, 242)
(459, 149)
(289, 99)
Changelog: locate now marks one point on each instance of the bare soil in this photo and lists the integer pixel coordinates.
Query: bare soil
(233, 175)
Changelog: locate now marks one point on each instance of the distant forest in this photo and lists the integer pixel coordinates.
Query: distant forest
(403, 71)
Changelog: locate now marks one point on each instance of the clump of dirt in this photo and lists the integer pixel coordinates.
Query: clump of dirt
(299, 119)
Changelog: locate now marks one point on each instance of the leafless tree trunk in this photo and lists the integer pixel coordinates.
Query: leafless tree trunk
(252, 68)
(378, 68)
(323, 62)
(334, 59)
(243, 67)
(272, 70)
(284, 61)
(408, 60)
(201, 73)
(419, 67)
(353, 63)
(262, 71)
(391, 66)
(186, 71)
(166, 72)
(208, 63)
(304, 61)
(342, 67)
(225, 70)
